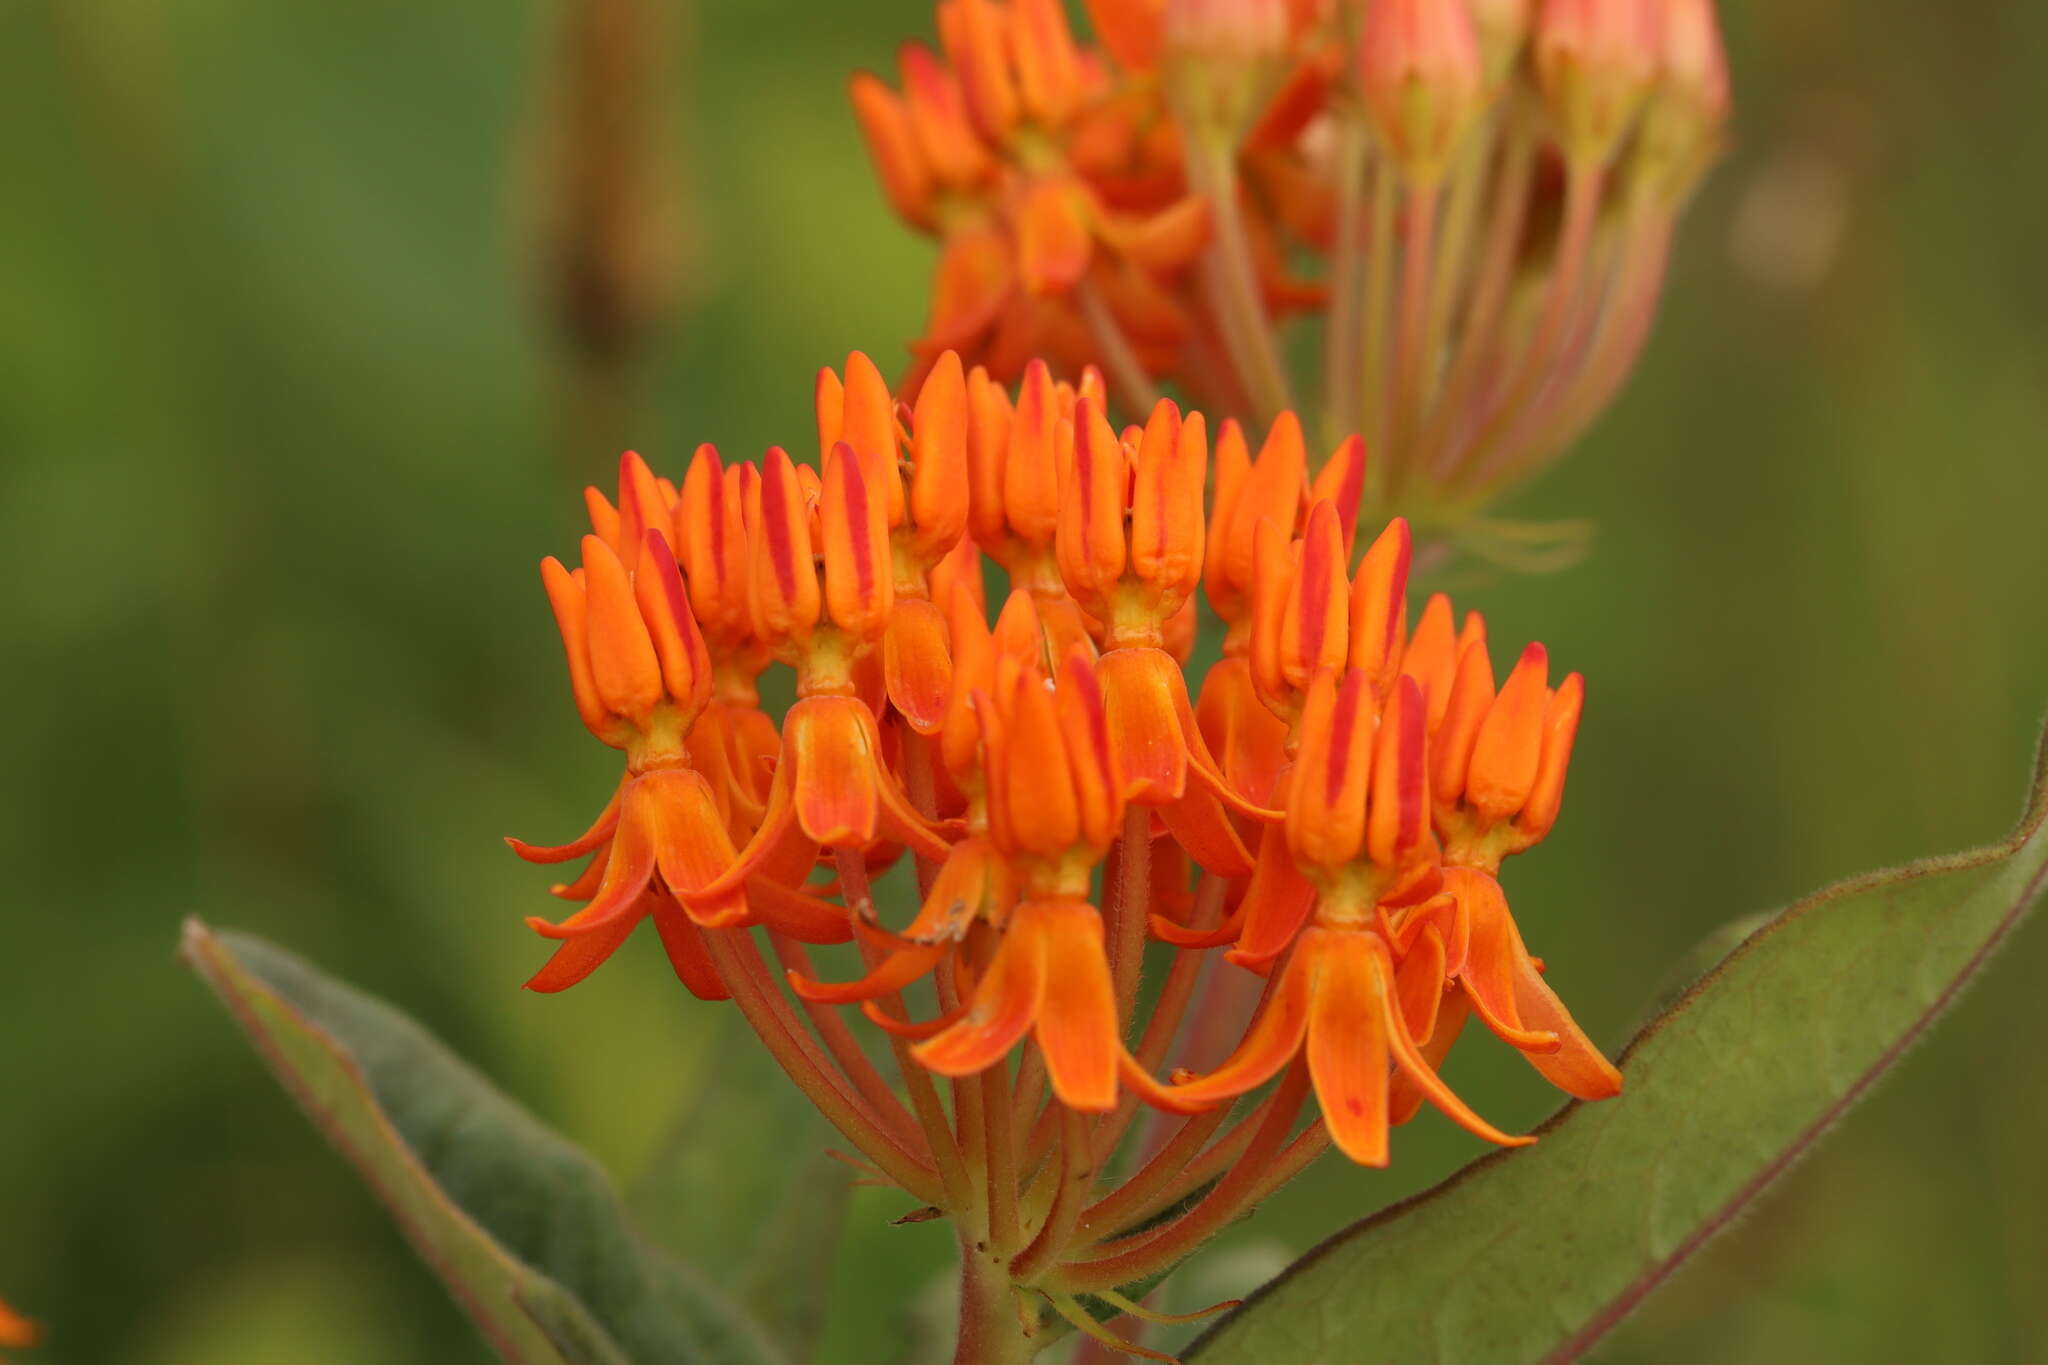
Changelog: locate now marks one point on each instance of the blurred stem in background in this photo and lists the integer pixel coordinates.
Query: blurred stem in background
(609, 238)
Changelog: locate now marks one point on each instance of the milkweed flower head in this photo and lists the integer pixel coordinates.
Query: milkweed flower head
(1328, 808)
(1475, 199)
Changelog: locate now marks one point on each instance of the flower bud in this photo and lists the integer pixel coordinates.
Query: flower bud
(1683, 122)
(1595, 60)
(1218, 59)
(1419, 66)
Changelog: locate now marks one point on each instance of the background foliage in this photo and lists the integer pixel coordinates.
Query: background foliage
(282, 441)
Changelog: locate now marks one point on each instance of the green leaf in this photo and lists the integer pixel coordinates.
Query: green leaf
(1535, 1254)
(743, 1187)
(521, 1225)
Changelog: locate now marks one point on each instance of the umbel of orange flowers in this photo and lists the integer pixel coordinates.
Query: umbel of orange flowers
(1328, 809)
(1472, 200)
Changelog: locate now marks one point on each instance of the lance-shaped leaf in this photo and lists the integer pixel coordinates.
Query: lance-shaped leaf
(522, 1226)
(1533, 1255)
(745, 1188)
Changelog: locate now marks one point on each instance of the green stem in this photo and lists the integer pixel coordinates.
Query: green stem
(992, 1332)
(760, 1000)
(1231, 276)
(1233, 1195)
(1131, 385)
(1341, 338)
(917, 1082)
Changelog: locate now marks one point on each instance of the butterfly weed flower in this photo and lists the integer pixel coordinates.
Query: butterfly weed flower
(1325, 814)
(1475, 199)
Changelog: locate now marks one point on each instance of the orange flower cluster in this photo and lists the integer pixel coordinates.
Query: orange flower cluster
(1332, 808)
(1477, 197)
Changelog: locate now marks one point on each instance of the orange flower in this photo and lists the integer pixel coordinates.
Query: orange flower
(1155, 211)
(972, 149)
(1369, 784)
(1054, 806)
(1498, 781)
(1358, 828)
(16, 1330)
(923, 476)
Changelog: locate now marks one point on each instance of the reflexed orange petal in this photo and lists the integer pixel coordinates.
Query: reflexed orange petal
(580, 956)
(1005, 1004)
(834, 771)
(1414, 1065)
(690, 843)
(1271, 1042)
(1249, 740)
(1170, 239)
(687, 955)
(1347, 1045)
(600, 830)
(1202, 827)
(918, 664)
(1405, 1099)
(1144, 724)
(899, 969)
(783, 908)
(1419, 983)
(629, 864)
(1493, 959)
(1077, 1025)
(1276, 904)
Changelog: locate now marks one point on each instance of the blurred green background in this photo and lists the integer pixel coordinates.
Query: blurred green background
(284, 435)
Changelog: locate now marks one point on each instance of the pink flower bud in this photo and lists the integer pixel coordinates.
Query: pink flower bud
(1595, 60)
(1418, 64)
(1230, 30)
(1695, 62)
